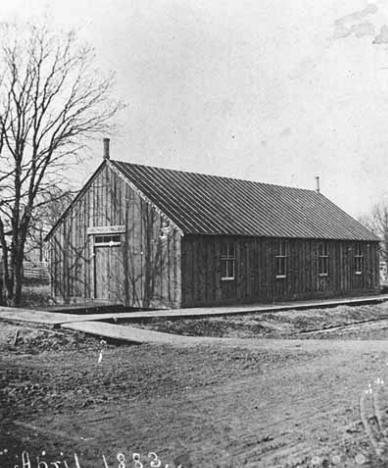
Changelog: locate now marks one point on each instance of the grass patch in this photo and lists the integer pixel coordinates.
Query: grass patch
(286, 324)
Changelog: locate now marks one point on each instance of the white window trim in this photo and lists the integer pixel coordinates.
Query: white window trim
(359, 256)
(229, 258)
(357, 271)
(285, 256)
(324, 254)
(106, 244)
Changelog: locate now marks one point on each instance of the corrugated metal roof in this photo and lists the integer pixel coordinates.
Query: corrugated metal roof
(206, 204)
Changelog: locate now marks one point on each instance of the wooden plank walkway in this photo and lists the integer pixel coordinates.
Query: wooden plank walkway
(138, 336)
(34, 316)
(92, 324)
(226, 310)
(51, 318)
(118, 332)
(129, 334)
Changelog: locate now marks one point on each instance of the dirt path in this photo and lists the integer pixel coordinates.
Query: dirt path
(248, 403)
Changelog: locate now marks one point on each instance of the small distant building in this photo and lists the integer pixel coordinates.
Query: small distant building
(152, 237)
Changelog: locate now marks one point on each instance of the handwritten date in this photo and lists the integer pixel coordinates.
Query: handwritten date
(134, 461)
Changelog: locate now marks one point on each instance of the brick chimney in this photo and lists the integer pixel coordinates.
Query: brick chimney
(106, 142)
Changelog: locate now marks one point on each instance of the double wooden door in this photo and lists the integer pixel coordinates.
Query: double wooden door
(108, 273)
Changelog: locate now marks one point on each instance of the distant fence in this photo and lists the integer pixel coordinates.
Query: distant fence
(33, 271)
(36, 271)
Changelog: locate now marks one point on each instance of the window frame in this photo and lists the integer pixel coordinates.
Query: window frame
(358, 260)
(107, 243)
(281, 259)
(228, 260)
(323, 259)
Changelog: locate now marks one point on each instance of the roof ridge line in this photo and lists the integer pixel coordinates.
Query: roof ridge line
(217, 175)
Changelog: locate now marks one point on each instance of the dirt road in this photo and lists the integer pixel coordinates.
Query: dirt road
(250, 403)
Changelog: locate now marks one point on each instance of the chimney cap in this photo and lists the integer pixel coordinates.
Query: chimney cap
(106, 142)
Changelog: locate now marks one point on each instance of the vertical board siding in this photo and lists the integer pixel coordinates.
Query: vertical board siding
(144, 271)
(255, 279)
(155, 266)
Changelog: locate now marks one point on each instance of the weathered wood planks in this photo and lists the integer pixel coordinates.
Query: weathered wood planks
(256, 279)
(144, 271)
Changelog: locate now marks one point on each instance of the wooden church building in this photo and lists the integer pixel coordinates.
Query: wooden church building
(151, 237)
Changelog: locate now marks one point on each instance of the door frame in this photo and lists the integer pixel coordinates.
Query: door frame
(93, 232)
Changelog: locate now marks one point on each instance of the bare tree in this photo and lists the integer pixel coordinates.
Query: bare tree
(44, 217)
(377, 222)
(51, 100)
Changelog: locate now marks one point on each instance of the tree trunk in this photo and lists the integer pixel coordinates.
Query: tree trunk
(18, 280)
(2, 300)
(6, 281)
(13, 276)
(40, 244)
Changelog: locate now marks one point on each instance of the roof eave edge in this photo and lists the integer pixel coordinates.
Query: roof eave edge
(71, 204)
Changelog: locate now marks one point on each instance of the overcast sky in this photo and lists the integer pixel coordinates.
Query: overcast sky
(277, 91)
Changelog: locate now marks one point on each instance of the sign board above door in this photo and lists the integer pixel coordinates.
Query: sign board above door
(106, 229)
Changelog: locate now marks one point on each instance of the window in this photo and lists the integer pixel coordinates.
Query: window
(358, 260)
(281, 260)
(228, 260)
(107, 240)
(323, 260)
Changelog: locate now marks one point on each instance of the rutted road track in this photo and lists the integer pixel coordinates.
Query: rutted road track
(249, 403)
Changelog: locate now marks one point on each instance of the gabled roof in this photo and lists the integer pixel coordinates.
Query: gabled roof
(205, 204)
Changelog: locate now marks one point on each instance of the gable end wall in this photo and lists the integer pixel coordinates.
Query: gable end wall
(143, 272)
